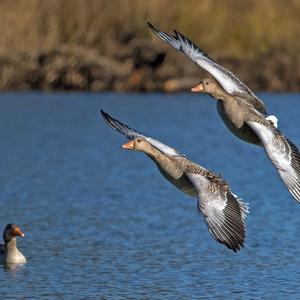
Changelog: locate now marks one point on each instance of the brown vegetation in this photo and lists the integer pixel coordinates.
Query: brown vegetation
(106, 45)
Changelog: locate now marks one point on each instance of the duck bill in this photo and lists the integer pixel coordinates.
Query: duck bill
(19, 232)
(198, 88)
(128, 145)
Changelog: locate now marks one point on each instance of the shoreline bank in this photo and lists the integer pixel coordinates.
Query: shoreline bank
(140, 68)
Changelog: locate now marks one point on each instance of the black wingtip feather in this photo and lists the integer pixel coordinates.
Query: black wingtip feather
(154, 29)
(108, 119)
(122, 128)
(150, 25)
(177, 33)
(104, 114)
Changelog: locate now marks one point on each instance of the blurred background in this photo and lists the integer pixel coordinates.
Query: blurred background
(107, 45)
(101, 222)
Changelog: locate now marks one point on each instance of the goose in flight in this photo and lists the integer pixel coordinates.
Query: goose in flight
(224, 213)
(242, 112)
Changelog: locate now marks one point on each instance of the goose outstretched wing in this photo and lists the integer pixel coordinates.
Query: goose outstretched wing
(132, 134)
(229, 81)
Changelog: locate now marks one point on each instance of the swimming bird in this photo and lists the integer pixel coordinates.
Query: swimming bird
(9, 253)
(242, 111)
(224, 213)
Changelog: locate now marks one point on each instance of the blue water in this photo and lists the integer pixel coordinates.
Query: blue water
(101, 223)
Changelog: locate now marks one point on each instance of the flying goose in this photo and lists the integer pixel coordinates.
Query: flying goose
(9, 253)
(242, 112)
(224, 213)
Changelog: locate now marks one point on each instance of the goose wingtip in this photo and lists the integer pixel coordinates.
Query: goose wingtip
(103, 113)
(152, 27)
(178, 34)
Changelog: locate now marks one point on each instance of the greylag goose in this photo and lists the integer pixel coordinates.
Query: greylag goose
(242, 112)
(9, 253)
(224, 213)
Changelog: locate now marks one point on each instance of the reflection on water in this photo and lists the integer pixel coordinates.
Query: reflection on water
(102, 222)
(13, 268)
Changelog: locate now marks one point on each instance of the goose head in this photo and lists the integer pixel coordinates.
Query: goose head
(138, 144)
(11, 231)
(209, 86)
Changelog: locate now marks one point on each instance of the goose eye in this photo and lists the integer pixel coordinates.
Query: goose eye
(138, 140)
(206, 83)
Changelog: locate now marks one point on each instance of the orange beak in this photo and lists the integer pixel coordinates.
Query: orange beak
(198, 88)
(128, 145)
(18, 232)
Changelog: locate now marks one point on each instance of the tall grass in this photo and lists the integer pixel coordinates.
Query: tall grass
(224, 28)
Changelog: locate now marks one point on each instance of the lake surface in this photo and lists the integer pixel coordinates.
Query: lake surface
(101, 223)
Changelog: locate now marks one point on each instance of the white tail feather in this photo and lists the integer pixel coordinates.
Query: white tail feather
(273, 119)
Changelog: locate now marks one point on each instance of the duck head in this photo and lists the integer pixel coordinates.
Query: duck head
(11, 231)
